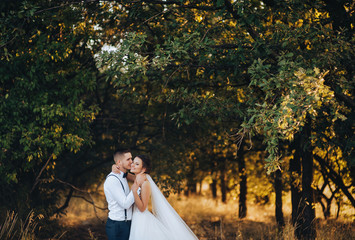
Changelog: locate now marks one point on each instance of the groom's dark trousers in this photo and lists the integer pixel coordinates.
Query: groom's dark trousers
(118, 230)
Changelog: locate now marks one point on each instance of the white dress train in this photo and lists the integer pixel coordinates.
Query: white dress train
(165, 224)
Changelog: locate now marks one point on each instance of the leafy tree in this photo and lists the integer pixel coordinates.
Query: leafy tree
(292, 62)
(45, 109)
(182, 75)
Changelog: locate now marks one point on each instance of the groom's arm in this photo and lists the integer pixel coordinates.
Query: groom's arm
(117, 193)
(130, 177)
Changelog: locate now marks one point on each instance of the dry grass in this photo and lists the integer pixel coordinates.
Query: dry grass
(210, 220)
(15, 228)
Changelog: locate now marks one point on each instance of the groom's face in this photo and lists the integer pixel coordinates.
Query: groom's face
(125, 161)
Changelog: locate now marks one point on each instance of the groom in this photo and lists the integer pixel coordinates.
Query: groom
(119, 198)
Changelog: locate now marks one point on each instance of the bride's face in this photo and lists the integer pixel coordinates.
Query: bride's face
(137, 165)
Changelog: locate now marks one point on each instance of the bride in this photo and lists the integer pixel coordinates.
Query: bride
(164, 223)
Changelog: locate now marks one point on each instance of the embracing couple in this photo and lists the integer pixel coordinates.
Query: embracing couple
(129, 217)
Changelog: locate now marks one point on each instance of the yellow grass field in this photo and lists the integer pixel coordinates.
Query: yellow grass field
(211, 220)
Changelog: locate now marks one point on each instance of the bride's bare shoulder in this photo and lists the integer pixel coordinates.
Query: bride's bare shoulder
(146, 184)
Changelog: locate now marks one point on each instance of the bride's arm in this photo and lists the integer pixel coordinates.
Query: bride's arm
(141, 202)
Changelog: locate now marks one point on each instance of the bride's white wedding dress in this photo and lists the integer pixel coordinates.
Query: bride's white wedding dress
(165, 224)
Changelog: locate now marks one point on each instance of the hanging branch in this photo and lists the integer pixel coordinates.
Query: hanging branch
(70, 195)
(181, 5)
(335, 178)
(40, 173)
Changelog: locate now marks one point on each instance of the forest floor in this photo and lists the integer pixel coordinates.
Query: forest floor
(211, 220)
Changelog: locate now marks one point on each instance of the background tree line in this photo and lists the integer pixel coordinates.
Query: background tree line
(212, 90)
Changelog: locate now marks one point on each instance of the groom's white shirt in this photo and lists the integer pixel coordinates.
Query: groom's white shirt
(117, 199)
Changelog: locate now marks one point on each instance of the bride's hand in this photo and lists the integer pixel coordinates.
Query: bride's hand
(140, 178)
(116, 169)
(134, 187)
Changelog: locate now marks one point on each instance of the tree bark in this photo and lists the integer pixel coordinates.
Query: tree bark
(191, 182)
(214, 188)
(352, 172)
(243, 188)
(191, 187)
(295, 175)
(200, 187)
(278, 200)
(306, 225)
(223, 186)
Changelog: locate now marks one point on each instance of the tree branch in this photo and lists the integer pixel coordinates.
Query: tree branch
(180, 4)
(346, 99)
(236, 16)
(89, 201)
(335, 178)
(66, 204)
(40, 173)
(63, 5)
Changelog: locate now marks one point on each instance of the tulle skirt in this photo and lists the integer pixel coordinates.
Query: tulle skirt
(145, 226)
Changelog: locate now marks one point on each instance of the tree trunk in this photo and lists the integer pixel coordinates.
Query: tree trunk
(186, 191)
(191, 182)
(306, 228)
(243, 188)
(222, 178)
(326, 211)
(295, 175)
(193, 187)
(352, 172)
(278, 200)
(223, 186)
(200, 187)
(214, 188)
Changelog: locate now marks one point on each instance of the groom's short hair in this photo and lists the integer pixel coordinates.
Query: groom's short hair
(120, 152)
